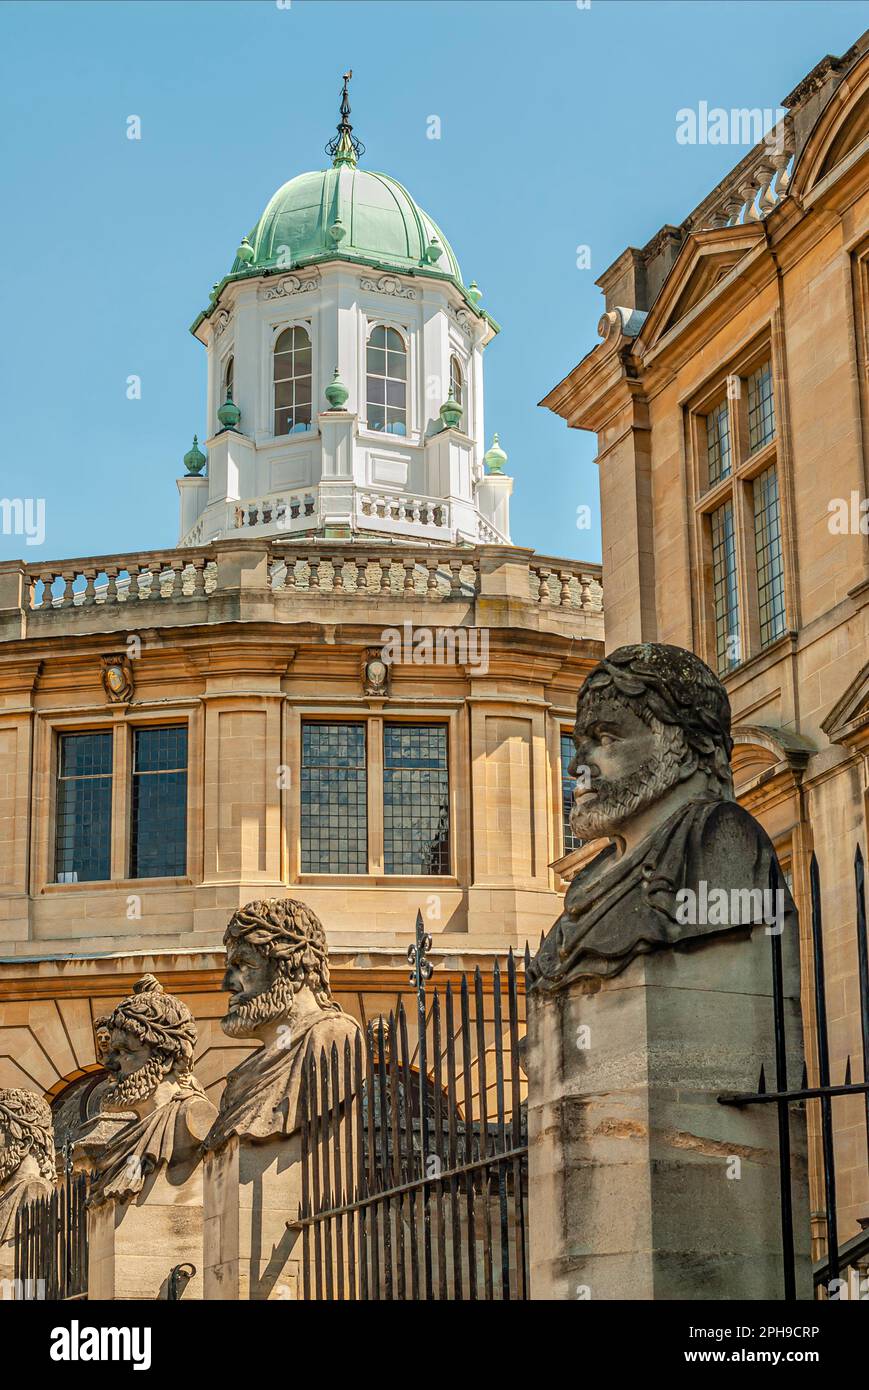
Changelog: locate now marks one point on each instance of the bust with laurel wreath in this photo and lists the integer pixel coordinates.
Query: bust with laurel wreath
(277, 975)
(27, 1166)
(147, 1044)
(654, 787)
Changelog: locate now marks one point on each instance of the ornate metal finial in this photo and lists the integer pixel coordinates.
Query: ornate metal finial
(422, 966)
(344, 147)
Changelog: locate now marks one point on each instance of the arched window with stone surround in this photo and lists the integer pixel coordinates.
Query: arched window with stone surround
(292, 377)
(386, 369)
(228, 379)
(457, 383)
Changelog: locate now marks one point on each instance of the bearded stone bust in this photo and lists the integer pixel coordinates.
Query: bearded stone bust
(653, 747)
(147, 1044)
(27, 1169)
(277, 975)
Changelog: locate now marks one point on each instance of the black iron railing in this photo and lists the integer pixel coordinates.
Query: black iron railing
(51, 1243)
(827, 1272)
(414, 1161)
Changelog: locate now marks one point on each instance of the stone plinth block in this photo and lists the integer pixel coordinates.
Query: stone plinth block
(134, 1244)
(644, 1186)
(251, 1192)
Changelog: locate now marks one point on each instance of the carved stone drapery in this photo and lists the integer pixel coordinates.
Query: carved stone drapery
(289, 285)
(387, 284)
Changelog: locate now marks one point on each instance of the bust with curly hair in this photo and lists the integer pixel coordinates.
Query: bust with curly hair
(146, 1044)
(277, 975)
(652, 764)
(27, 1166)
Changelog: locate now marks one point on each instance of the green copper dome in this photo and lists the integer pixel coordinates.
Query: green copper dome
(349, 212)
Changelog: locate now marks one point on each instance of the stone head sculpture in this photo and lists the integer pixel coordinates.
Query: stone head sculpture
(277, 975)
(26, 1136)
(147, 1044)
(277, 965)
(652, 728)
(652, 763)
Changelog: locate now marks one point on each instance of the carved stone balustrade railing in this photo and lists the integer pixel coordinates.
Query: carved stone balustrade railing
(440, 574)
(248, 578)
(284, 510)
(754, 187)
(555, 584)
(403, 508)
(119, 579)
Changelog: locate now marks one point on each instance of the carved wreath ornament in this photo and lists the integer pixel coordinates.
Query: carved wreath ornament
(290, 284)
(387, 284)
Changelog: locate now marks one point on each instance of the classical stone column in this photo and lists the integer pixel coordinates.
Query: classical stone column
(145, 1203)
(27, 1169)
(278, 978)
(651, 996)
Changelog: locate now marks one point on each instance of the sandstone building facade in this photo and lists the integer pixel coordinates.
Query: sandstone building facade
(730, 399)
(345, 684)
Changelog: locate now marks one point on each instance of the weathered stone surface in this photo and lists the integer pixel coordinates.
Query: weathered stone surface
(653, 747)
(277, 974)
(645, 1186)
(27, 1168)
(147, 1044)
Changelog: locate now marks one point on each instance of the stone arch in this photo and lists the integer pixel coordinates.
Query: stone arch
(841, 128)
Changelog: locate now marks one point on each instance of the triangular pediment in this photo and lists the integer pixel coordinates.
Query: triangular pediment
(706, 258)
(849, 718)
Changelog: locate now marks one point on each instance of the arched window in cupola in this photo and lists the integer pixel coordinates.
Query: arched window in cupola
(457, 383)
(292, 359)
(228, 380)
(386, 366)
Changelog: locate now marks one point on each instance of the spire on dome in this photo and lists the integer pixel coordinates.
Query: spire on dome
(344, 147)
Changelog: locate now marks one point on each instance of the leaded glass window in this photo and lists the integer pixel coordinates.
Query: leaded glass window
(718, 443)
(768, 551)
(158, 843)
(416, 802)
(386, 367)
(761, 408)
(334, 795)
(457, 385)
(83, 849)
(725, 587)
(292, 381)
(568, 785)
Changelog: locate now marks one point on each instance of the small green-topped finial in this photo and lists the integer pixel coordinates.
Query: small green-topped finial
(495, 458)
(245, 251)
(344, 147)
(229, 413)
(433, 251)
(336, 393)
(194, 459)
(450, 412)
(475, 294)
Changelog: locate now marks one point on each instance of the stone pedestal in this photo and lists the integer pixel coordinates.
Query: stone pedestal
(7, 1270)
(134, 1245)
(642, 1185)
(251, 1192)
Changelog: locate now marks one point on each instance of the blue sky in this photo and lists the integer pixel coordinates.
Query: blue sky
(558, 131)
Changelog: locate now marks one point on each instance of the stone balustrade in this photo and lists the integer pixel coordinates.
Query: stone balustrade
(403, 508)
(118, 579)
(435, 575)
(558, 585)
(284, 510)
(276, 570)
(754, 187)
